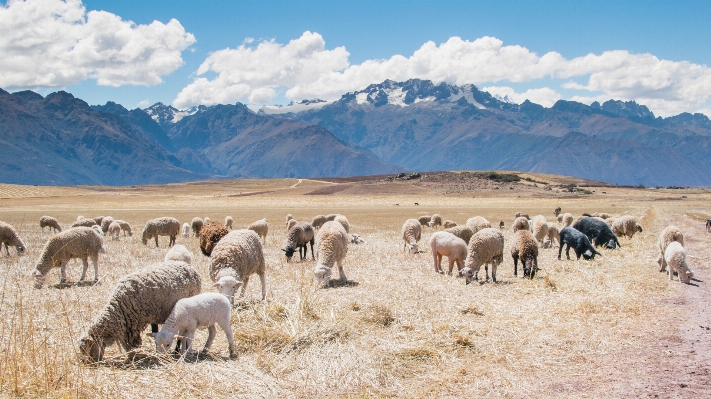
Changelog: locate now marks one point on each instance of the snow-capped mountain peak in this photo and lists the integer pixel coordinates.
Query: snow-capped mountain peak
(413, 91)
(163, 114)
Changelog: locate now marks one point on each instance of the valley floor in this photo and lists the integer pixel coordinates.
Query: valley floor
(612, 327)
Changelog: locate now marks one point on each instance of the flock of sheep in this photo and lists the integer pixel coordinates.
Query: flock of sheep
(168, 292)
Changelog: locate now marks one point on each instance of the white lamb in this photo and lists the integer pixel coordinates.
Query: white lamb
(411, 233)
(189, 314)
(567, 219)
(185, 232)
(114, 231)
(261, 227)
(477, 223)
(344, 222)
(444, 243)
(332, 247)
(179, 253)
(675, 257)
(356, 239)
(229, 221)
(539, 228)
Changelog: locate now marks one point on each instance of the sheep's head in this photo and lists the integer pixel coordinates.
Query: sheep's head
(590, 254)
(323, 275)
(412, 248)
(164, 340)
(39, 278)
(469, 274)
(611, 244)
(228, 285)
(289, 252)
(90, 350)
(639, 228)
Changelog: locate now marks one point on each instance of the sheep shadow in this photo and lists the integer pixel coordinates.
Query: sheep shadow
(145, 361)
(341, 283)
(70, 284)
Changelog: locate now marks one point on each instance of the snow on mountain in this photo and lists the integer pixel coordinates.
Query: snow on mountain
(303, 105)
(164, 114)
(413, 91)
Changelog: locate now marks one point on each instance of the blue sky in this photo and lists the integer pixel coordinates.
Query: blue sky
(351, 44)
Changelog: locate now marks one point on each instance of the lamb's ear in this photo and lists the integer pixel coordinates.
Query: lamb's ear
(216, 285)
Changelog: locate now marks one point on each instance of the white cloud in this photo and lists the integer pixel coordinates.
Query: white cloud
(54, 43)
(544, 96)
(143, 104)
(306, 69)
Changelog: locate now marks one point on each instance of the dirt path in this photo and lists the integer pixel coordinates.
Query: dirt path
(677, 363)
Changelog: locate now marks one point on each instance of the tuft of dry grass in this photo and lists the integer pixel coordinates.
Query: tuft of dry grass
(379, 315)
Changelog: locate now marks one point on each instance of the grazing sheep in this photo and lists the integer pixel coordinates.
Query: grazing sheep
(597, 231)
(519, 215)
(98, 220)
(579, 241)
(501, 224)
(289, 217)
(610, 222)
(539, 227)
(666, 237)
(424, 220)
(448, 223)
(261, 228)
(196, 225)
(486, 246)
(84, 223)
(411, 233)
(189, 314)
(332, 247)
(9, 237)
(331, 217)
(207, 219)
(77, 242)
(80, 217)
(165, 226)
(144, 297)
(115, 231)
(601, 215)
(525, 248)
(520, 223)
(210, 234)
(297, 237)
(344, 222)
(553, 234)
(105, 223)
(179, 253)
(463, 232)
(435, 220)
(625, 225)
(237, 256)
(444, 243)
(317, 221)
(229, 222)
(477, 223)
(52, 223)
(185, 230)
(125, 227)
(291, 224)
(356, 239)
(556, 211)
(560, 218)
(567, 219)
(675, 257)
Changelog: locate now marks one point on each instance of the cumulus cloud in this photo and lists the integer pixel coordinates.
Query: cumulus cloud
(544, 96)
(304, 68)
(54, 43)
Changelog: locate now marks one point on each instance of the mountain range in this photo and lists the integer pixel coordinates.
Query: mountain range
(386, 128)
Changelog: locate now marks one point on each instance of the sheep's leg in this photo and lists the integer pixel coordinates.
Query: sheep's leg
(85, 265)
(567, 252)
(662, 263)
(312, 250)
(486, 269)
(172, 241)
(434, 257)
(451, 264)
(341, 273)
(7, 249)
(244, 287)
(63, 274)
(156, 241)
(263, 279)
(95, 263)
(227, 328)
(515, 259)
(671, 273)
(493, 272)
(211, 332)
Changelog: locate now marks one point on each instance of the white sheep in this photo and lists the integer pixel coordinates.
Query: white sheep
(625, 225)
(356, 239)
(146, 296)
(520, 214)
(520, 223)
(316, 222)
(206, 219)
(553, 235)
(539, 227)
(98, 220)
(179, 253)
(229, 222)
(424, 220)
(105, 223)
(77, 242)
(331, 247)
(52, 223)
(288, 217)
(85, 223)
(444, 243)
(261, 227)
(331, 217)
(125, 227)
(185, 230)
(567, 219)
(196, 225)
(344, 222)
(435, 220)
(9, 237)
(291, 223)
(448, 223)
(667, 236)
(463, 232)
(165, 226)
(486, 246)
(237, 256)
(189, 314)
(114, 231)
(675, 257)
(477, 223)
(411, 233)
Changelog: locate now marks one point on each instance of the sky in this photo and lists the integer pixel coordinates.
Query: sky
(188, 53)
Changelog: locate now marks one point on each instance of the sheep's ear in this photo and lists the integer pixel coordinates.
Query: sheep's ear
(283, 249)
(216, 285)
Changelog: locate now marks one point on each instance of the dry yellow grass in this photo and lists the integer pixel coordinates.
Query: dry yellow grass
(397, 330)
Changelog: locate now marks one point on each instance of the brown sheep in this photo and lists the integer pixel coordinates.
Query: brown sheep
(210, 234)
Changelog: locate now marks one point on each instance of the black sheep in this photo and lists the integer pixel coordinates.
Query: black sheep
(579, 241)
(597, 231)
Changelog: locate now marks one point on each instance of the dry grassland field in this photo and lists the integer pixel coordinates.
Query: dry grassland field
(613, 327)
